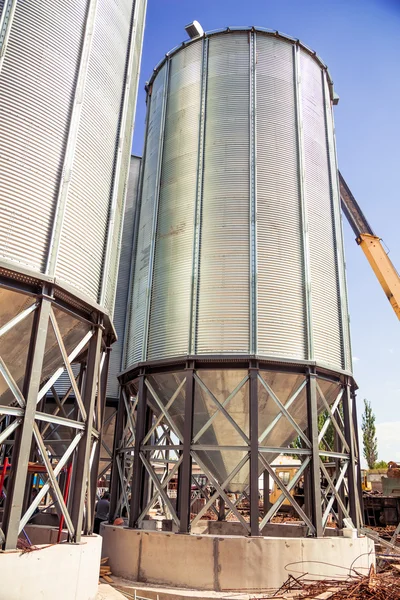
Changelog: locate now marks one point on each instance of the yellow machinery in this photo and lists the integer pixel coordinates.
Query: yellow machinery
(365, 484)
(371, 246)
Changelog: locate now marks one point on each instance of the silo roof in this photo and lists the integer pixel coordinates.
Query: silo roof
(264, 30)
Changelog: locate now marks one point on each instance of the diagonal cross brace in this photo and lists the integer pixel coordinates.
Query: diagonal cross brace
(160, 489)
(163, 410)
(220, 488)
(285, 412)
(167, 407)
(223, 405)
(335, 492)
(332, 418)
(67, 364)
(280, 415)
(43, 491)
(163, 485)
(274, 508)
(221, 408)
(288, 497)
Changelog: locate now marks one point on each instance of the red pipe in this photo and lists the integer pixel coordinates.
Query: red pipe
(3, 475)
(66, 492)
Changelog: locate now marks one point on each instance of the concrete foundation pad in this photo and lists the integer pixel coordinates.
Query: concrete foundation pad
(54, 572)
(230, 563)
(106, 592)
(153, 592)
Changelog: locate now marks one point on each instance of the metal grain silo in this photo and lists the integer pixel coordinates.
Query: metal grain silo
(238, 314)
(68, 85)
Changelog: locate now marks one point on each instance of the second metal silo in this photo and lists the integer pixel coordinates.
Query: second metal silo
(68, 84)
(238, 335)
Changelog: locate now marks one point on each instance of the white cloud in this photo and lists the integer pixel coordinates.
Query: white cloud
(355, 359)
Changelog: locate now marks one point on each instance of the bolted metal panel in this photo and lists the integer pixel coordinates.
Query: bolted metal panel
(322, 242)
(223, 314)
(144, 235)
(247, 146)
(281, 298)
(121, 298)
(81, 262)
(171, 292)
(36, 90)
(68, 87)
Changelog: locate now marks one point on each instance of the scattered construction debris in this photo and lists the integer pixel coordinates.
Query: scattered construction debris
(380, 586)
(105, 571)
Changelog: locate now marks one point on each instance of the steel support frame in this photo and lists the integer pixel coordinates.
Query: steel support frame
(28, 425)
(341, 498)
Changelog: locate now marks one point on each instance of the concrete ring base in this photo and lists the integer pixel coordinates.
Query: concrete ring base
(61, 571)
(229, 563)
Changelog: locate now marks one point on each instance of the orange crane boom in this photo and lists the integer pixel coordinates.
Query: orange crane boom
(372, 247)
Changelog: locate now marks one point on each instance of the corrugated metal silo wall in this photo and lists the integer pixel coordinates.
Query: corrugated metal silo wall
(240, 245)
(121, 297)
(68, 89)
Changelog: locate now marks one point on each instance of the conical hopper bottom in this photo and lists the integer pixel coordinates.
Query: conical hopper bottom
(15, 343)
(221, 415)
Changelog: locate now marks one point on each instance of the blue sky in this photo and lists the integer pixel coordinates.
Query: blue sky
(360, 42)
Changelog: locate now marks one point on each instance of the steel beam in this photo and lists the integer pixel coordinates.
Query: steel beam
(22, 447)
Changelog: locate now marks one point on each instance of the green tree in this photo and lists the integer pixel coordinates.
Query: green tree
(370, 442)
(328, 441)
(381, 464)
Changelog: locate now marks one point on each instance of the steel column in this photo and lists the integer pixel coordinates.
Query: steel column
(316, 511)
(115, 480)
(253, 411)
(186, 467)
(357, 448)
(266, 500)
(82, 473)
(22, 447)
(352, 476)
(101, 399)
(136, 487)
(221, 509)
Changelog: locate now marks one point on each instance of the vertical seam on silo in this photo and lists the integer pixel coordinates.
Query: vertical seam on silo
(155, 213)
(122, 126)
(334, 198)
(198, 203)
(348, 350)
(135, 240)
(253, 197)
(303, 206)
(6, 21)
(72, 136)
